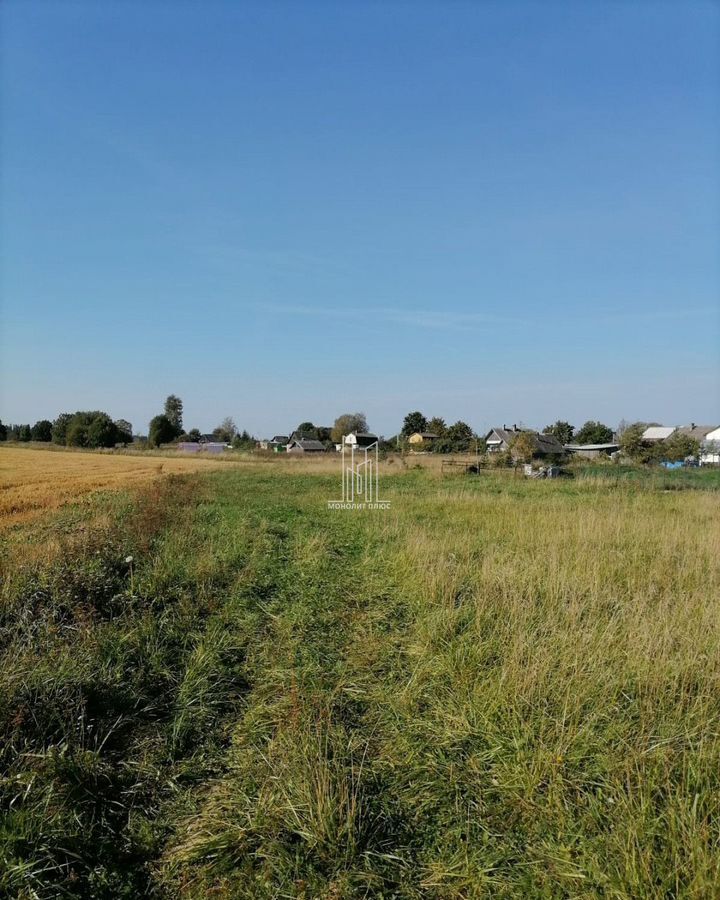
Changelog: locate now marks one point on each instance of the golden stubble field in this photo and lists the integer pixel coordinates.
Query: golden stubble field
(33, 482)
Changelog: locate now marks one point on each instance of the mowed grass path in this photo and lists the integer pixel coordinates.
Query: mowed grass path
(497, 688)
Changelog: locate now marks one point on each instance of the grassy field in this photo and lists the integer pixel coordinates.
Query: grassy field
(497, 688)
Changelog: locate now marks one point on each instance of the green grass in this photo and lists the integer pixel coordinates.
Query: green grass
(498, 688)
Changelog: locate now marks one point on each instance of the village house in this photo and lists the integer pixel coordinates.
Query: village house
(500, 440)
(420, 439)
(305, 445)
(277, 444)
(708, 436)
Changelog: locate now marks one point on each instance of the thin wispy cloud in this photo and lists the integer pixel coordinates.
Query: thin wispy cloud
(420, 318)
(459, 320)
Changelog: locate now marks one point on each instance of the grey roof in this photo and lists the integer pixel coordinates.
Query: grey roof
(426, 435)
(307, 444)
(610, 446)
(547, 443)
(505, 434)
(698, 432)
(279, 439)
(658, 432)
(544, 443)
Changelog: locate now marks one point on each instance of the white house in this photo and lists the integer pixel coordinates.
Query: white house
(710, 448)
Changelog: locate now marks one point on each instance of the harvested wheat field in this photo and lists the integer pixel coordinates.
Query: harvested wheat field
(35, 481)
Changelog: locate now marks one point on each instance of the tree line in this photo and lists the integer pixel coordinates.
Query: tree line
(93, 429)
(96, 429)
(167, 428)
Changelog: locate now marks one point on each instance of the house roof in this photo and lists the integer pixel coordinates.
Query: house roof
(698, 432)
(307, 444)
(592, 446)
(544, 443)
(658, 432)
(425, 435)
(362, 438)
(279, 439)
(547, 443)
(505, 434)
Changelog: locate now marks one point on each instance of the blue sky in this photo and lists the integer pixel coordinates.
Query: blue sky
(285, 211)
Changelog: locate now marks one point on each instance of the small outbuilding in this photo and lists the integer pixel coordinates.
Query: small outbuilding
(360, 439)
(422, 438)
(591, 451)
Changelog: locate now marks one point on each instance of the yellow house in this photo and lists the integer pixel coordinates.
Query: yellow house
(421, 438)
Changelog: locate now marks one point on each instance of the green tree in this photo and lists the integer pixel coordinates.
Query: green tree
(563, 431)
(414, 422)
(3, 431)
(460, 435)
(124, 431)
(437, 426)
(346, 423)
(678, 447)
(77, 433)
(60, 428)
(226, 430)
(24, 433)
(101, 431)
(244, 441)
(162, 431)
(42, 431)
(631, 443)
(194, 435)
(174, 413)
(594, 433)
(522, 446)
(307, 430)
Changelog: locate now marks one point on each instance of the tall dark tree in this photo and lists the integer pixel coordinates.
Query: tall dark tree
(24, 433)
(414, 421)
(460, 435)
(3, 431)
(307, 430)
(124, 431)
(594, 433)
(174, 413)
(101, 431)
(162, 431)
(42, 431)
(77, 433)
(60, 428)
(563, 431)
(438, 426)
